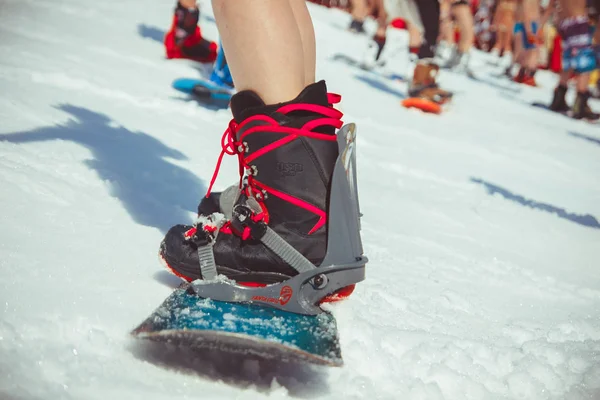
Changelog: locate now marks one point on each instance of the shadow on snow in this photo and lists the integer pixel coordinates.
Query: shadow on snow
(380, 85)
(151, 32)
(239, 370)
(585, 220)
(154, 191)
(213, 105)
(585, 137)
(510, 87)
(354, 63)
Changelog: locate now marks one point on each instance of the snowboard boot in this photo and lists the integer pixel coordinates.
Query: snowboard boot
(506, 60)
(495, 55)
(424, 84)
(530, 78)
(184, 39)
(526, 76)
(356, 26)
(444, 53)
(581, 109)
(559, 104)
(460, 63)
(286, 155)
(453, 60)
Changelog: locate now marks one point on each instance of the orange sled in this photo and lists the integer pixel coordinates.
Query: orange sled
(422, 104)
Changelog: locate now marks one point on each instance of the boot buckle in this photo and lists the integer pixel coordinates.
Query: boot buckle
(246, 224)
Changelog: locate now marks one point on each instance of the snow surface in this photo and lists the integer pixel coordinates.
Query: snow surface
(482, 224)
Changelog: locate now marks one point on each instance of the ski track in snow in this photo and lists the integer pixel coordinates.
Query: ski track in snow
(481, 225)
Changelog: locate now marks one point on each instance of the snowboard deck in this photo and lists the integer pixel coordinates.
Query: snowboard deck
(187, 320)
(203, 89)
(424, 105)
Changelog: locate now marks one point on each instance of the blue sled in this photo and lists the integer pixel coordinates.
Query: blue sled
(203, 90)
(186, 320)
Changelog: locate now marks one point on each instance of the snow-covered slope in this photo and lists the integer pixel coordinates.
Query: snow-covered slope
(482, 225)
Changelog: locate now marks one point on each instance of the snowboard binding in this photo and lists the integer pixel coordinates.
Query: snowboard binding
(343, 265)
(281, 321)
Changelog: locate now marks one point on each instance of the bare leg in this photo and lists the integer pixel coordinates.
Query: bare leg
(508, 38)
(504, 24)
(518, 48)
(307, 35)
(415, 37)
(188, 3)
(446, 25)
(500, 39)
(583, 81)
(530, 59)
(564, 78)
(497, 26)
(360, 9)
(530, 56)
(464, 20)
(382, 18)
(263, 45)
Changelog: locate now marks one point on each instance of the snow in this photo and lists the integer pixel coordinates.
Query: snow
(481, 225)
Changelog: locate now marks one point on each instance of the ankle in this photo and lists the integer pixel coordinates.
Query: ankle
(247, 103)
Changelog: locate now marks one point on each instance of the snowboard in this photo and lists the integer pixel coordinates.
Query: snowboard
(424, 105)
(284, 320)
(203, 90)
(184, 319)
(568, 113)
(377, 69)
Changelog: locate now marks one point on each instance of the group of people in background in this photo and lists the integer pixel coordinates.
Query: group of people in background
(521, 35)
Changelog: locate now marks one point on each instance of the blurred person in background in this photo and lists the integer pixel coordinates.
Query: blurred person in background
(579, 58)
(503, 24)
(455, 14)
(527, 40)
(184, 39)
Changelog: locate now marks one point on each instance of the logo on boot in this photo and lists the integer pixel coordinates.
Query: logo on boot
(289, 169)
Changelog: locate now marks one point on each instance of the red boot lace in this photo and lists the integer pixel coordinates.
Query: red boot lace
(231, 145)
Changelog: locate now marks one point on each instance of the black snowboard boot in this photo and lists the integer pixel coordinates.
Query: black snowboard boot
(356, 26)
(581, 109)
(559, 104)
(286, 153)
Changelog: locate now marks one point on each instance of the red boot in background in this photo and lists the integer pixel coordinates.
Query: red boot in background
(556, 55)
(184, 39)
(526, 76)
